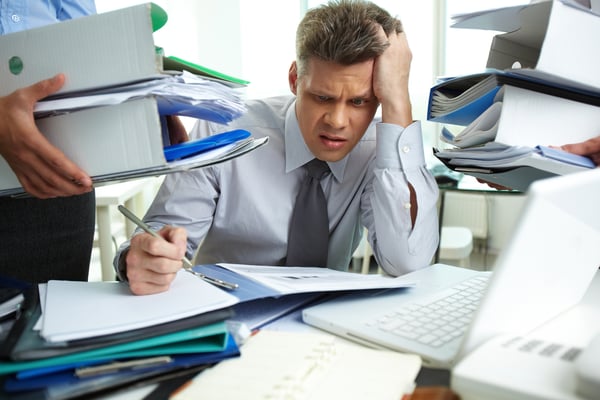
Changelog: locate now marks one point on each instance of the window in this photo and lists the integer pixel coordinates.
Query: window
(254, 40)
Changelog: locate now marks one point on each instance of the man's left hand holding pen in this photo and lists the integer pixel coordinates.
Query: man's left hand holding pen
(153, 262)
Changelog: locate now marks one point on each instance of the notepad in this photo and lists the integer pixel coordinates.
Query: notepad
(305, 365)
(104, 308)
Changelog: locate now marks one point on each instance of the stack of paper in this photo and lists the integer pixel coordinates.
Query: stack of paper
(186, 95)
(110, 118)
(95, 335)
(88, 324)
(525, 103)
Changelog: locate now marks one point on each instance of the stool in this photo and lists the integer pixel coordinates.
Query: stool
(456, 243)
(127, 193)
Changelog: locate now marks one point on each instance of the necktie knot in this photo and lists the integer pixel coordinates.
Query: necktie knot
(316, 168)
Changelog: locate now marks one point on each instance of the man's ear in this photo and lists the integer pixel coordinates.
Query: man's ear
(293, 77)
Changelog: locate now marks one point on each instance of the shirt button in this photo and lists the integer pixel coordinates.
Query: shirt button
(15, 18)
(407, 205)
(405, 149)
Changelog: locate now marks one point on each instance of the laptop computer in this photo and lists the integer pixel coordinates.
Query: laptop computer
(545, 269)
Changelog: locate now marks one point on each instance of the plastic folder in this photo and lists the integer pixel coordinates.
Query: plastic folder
(66, 375)
(209, 338)
(194, 147)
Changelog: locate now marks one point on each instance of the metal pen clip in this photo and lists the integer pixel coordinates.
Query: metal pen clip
(118, 366)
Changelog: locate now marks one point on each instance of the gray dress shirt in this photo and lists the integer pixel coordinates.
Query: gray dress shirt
(239, 211)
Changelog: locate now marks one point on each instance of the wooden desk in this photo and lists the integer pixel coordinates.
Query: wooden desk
(129, 193)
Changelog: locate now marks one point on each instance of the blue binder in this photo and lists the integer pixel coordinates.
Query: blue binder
(194, 147)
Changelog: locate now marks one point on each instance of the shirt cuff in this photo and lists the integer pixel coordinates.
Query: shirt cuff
(121, 266)
(398, 147)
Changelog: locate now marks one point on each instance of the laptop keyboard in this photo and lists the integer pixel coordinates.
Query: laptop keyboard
(438, 320)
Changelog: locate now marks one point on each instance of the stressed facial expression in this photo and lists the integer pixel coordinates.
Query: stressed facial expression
(334, 105)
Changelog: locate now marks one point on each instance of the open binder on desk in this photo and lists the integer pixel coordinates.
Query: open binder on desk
(258, 282)
(312, 366)
(67, 317)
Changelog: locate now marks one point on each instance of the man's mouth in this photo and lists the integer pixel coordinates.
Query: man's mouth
(332, 142)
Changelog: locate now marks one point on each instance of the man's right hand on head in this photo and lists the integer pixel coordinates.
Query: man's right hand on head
(42, 169)
(152, 263)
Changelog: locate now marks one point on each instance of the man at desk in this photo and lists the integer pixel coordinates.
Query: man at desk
(351, 57)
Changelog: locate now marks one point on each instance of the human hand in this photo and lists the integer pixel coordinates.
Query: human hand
(589, 148)
(42, 169)
(493, 185)
(177, 132)
(152, 263)
(390, 79)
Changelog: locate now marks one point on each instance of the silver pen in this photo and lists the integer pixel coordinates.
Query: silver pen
(187, 264)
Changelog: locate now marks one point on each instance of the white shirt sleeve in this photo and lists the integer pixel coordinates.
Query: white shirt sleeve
(400, 247)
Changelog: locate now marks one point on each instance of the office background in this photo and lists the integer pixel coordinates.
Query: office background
(254, 40)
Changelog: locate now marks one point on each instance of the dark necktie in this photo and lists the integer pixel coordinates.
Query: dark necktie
(308, 239)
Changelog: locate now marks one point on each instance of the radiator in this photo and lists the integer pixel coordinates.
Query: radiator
(466, 209)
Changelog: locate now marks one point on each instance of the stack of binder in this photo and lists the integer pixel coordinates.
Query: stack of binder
(66, 352)
(110, 116)
(77, 338)
(528, 100)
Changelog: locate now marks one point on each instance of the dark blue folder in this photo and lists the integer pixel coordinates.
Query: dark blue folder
(67, 379)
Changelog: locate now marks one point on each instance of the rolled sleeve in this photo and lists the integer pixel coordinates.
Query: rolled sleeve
(399, 246)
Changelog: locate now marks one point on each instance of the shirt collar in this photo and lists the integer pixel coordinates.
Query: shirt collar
(297, 152)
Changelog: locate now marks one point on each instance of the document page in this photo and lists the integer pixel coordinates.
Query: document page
(77, 310)
(287, 280)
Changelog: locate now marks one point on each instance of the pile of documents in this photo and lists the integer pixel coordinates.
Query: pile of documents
(185, 94)
(525, 104)
(76, 338)
(94, 336)
(110, 117)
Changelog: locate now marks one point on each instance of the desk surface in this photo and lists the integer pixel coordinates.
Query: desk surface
(580, 323)
(576, 326)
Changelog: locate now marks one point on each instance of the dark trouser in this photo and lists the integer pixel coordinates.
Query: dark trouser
(47, 239)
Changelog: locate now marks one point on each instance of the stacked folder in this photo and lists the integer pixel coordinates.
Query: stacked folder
(58, 354)
(110, 117)
(75, 338)
(524, 103)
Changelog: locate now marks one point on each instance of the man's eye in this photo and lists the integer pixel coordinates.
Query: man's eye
(358, 102)
(322, 98)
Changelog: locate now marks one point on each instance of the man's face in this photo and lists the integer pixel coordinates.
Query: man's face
(334, 105)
